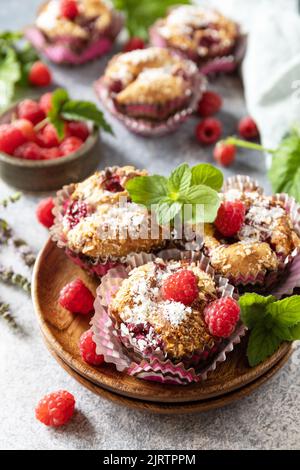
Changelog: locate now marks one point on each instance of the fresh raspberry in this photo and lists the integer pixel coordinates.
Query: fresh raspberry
(230, 217)
(44, 212)
(29, 109)
(221, 316)
(77, 298)
(39, 74)
(133, 44)
(26, 127)
(181, 287)
(70, 145)
(87, 348)
(224, 154)
(46, 102)
(76, 211)
(78, 129)
(48, 137)
(208, 131)
(247, 128)
(69, 9)
(52, 153)
(29, 151)
(56, 408)
(113, 185)
(209, 104)
(10, 138)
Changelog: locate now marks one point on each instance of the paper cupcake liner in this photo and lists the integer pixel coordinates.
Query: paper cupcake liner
(154, 367)
(149, 128)
(263, 279)
(227, 62)
(60, 53)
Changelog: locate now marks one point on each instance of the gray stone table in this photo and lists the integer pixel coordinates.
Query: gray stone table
(269, 418)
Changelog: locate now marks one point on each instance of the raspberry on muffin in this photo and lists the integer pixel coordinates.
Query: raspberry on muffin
(74, 31)
(150, 90)
(200, 34)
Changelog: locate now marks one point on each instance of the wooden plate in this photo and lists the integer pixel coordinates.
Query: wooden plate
(175, 408)
(62, 331)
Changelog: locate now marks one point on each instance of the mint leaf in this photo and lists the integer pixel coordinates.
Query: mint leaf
(285, 312)
(203, 195)
(207, 174)
(262, 344)
(253, 308)
(179, 180)
(295, 332)
(166, 211)
(10, 73)
(148, 190)
(59, 98)
(74, 110)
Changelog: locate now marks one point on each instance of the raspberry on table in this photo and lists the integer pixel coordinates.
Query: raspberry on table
(133, 44)
(247, 128)
(70, 145)
(46, 102)
(181, 287)
(209, 104)
(48, 137)
(77, 298)
(208, 131)
(221, 316)
(10, 138)
(230, 217)
(87, 348)
(224, 154)
(56, 408)
(39, 74)
(78, 129)
(30, 109)
(29, 151)
(69, 9)
(76, 211)
(26, 127)
(44, 212)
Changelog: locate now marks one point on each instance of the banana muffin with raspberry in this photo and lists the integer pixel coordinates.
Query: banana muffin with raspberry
(173, 310)
(74, 31)
(150, 90)
(254, 237)
(199, 33)
(98, 225)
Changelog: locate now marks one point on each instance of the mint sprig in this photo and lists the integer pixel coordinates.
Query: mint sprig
(271, 322)
(65, 109)
(169, 195)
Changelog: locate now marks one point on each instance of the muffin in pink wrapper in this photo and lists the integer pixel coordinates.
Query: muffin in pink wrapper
(74, 35)
(201, 34)
(98, 226)
(154, 318)
(255, 238)
(152, 91)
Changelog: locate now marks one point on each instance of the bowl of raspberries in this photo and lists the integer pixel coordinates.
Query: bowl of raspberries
(34, 156)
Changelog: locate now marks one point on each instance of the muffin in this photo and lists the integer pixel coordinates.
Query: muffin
(77, 35)
(152, 91)
(199, 34)
(160, 311)
(254, 237)
(98, 225)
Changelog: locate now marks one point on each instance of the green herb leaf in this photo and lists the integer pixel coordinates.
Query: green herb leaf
(262, 344)
(10, 73)
(141, 15)
(74, 110)
(295, 332)
(253, 308)
(179, 180)
(207, 174)
(148, 190)
(203, 195)
(59, 98)
(166, 211)
(285, 312)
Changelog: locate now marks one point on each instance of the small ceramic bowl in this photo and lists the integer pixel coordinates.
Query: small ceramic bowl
(48, 175)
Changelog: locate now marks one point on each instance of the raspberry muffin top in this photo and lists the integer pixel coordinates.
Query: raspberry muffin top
(197, 29)
(149, 76)
(253, 233)
(52, 21)
(161, 304)
(99, 219)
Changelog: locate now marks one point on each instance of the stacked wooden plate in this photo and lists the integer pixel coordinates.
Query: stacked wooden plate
(61, 331)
